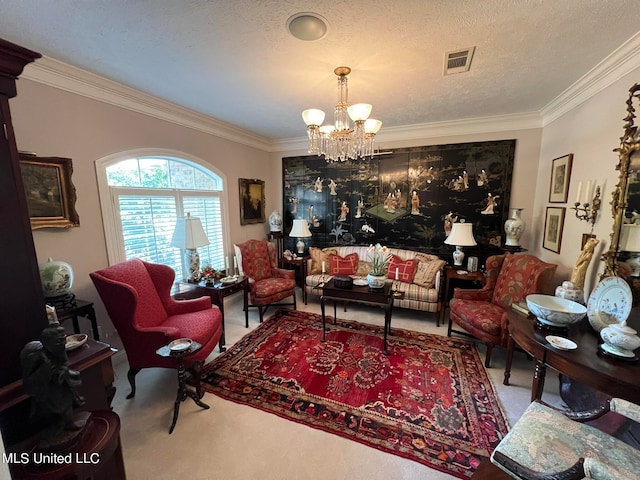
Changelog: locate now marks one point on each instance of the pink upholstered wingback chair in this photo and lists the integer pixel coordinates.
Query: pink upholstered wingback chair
(483, 312)
(268, 283)
(137, 296)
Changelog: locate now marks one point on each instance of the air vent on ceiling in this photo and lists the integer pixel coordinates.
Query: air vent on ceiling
(458, 61)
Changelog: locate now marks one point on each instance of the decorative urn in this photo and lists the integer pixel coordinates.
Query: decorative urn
(514, 228)
(275, 221)
(569, 291)
(620, 340)
(56, 278)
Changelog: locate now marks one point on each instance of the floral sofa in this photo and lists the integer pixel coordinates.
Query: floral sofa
(419, 273)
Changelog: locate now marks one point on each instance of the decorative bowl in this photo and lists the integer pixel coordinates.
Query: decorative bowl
(555, 311)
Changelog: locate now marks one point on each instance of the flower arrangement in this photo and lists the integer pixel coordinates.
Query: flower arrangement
(379, 259)
(209, 274)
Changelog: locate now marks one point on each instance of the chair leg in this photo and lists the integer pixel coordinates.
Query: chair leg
(131, 375)
(260, 312)
(295, 305)
(487, 359)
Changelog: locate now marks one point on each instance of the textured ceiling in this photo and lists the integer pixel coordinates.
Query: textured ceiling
(235, 61)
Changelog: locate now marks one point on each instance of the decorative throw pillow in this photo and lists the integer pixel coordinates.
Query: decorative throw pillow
(318, 256)
(425, 257)
(426, 272)
(405, 268)
(363, 268)
(344, 265)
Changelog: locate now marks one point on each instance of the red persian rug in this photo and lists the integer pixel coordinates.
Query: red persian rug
(429, 400)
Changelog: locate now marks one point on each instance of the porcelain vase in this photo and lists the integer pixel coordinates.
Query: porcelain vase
(56, 278)
(275, 221)
(376, 281)
(514, 228)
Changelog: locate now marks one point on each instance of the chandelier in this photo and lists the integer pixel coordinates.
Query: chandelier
(339, 142)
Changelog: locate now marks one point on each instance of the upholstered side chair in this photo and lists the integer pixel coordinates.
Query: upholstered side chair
(137, 296)
(268, 283)
(482, 313)
(544, 444)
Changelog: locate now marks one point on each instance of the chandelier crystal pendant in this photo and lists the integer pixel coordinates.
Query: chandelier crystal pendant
(339, 142)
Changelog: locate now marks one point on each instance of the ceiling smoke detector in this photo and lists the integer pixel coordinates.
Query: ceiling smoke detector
(458, 61)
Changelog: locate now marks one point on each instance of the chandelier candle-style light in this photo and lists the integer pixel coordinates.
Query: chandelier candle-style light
(339, 142)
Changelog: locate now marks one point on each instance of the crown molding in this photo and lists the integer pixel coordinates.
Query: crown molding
(620, 62)
(54, 73)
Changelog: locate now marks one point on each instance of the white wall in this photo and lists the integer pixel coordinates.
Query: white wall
(590, 131)
(53, 122)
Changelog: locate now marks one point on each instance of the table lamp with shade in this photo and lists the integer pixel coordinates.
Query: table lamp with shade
(300, 230)
(461, 236)
(630, 242)
(189, 235)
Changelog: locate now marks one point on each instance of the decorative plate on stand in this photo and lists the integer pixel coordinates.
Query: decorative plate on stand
(610, 302)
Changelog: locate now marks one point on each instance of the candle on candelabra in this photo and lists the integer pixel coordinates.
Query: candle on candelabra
(397, 274)
(226, 265)
(235, 264)
(323, 271)
(587, 193)
(579, 192)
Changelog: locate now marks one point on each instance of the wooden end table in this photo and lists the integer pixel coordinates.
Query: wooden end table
(81, 309)
(217, 292)
(584, 364)
(298, 263)
(452, 276)
(381, 298)
(184, 392)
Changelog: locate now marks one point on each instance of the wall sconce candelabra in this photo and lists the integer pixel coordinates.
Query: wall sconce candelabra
(587, 211)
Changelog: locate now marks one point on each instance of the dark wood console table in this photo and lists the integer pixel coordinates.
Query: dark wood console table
(585, 364)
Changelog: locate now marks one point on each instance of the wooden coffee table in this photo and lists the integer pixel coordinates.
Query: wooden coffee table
(381, 298)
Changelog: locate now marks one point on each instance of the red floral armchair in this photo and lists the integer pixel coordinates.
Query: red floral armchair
(483, 312)
(268, 283)
(137, 296)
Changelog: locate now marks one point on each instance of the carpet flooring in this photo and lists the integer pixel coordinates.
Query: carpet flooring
(429, 400)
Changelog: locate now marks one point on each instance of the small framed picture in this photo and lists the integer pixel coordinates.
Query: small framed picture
(251, 201)
(51, 195)
(553, 224)
(560, 176)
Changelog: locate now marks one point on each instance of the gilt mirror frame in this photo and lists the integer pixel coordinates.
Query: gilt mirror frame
(629, 145)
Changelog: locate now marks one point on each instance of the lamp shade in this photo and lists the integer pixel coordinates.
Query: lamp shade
(189, 233)
(630, 238)
(300, 229)
(313, 116)
(461, 235)
(359, 111)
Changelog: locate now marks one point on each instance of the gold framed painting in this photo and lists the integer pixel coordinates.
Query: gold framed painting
(560, 177)
(50, 193)
(553, 225)
(251, 201)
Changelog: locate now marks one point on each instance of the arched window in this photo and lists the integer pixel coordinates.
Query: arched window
(142, 196)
